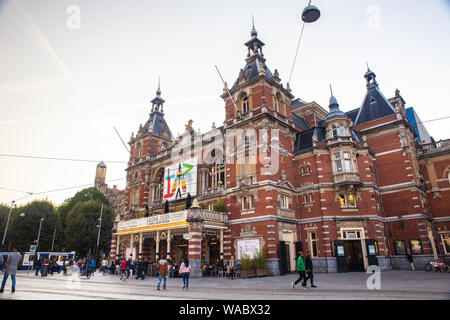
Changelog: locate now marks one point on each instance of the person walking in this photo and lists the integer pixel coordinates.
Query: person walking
(163, 271)
(38, 264)
(301, 271)
(230, 269)
(123, 270)
(140, 269)
(129, 262)
(410, 259)
(185, 271)
(104, 266)
(309, 269)
(11, 268)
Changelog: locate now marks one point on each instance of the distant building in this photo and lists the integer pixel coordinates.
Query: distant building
(116, 197)
(355, 188)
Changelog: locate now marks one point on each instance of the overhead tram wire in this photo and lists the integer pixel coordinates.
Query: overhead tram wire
(60, 159)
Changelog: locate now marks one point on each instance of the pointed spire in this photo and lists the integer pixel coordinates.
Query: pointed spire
(157, 102)
(335, 112)
(370, 76)
(253, 33)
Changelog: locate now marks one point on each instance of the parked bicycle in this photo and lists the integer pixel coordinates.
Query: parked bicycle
(436, 265)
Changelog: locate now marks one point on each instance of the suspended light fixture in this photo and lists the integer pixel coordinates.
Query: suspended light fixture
(310, 14)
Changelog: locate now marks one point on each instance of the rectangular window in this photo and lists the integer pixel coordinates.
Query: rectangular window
(399, 246)
(347, 162)
(284, 202)
(347, 200)
(446, 242)
(313, 243)
(248, 203)
(351, 200)
(416, 246)
(338, 162)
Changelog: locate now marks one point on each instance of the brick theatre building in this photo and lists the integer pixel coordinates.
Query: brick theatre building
(355, 188)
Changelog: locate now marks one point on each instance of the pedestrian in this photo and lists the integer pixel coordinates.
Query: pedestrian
(163, 272)
(309, 269)
(140, 269)
(123, 270)
(230, 269)
(104, 266)
(129, 262)
(185, 271)
(409, 258)
(11, 268)
(301, 271)
(146, 264)
(38, 264)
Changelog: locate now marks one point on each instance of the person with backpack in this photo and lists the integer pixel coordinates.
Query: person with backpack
(301, 271)
(163, 271)
(185, 271)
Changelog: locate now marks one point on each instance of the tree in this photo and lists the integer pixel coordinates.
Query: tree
(81, 231)
(87, 194)
(23, 231)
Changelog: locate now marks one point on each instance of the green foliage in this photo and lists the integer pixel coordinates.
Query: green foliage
(81, 196)
(202, 206)
(23, 231)
(219, 206)
(261, 258)
(246, 262)
(81, 231)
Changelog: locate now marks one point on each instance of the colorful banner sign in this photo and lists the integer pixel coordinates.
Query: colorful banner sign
(180, 179)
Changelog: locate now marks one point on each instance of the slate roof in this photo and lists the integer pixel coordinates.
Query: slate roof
(303, 141)
(251, 70)
(297, 103)
(157, 124)
(300, 122)
(374, 106)
(352, 114)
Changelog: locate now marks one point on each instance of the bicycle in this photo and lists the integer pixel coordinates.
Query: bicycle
(436, 265)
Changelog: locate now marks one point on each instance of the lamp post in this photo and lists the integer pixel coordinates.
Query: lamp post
(53, 241)
(99, 226)
(7, 224)
(37, 241)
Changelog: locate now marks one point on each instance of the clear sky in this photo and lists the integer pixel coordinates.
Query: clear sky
(64, 88)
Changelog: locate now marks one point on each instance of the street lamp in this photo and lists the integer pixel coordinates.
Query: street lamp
(37, 241)
(99, 226)
(7, 224)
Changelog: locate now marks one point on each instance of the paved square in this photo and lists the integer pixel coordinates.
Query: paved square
(402, 285)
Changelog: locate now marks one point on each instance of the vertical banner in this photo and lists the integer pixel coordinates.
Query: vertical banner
(180, 179)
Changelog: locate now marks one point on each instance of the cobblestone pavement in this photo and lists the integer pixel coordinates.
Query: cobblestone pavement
(394, 285)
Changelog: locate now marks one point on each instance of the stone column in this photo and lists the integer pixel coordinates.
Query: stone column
(195, 243)
(168, 244)
(140, 244)
(157, 245)
(118, 246)
(131, 246)
(221, 247)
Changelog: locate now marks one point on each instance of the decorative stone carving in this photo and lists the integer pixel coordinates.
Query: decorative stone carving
(247, 231)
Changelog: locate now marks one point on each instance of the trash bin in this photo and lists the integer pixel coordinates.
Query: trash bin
(44, 270)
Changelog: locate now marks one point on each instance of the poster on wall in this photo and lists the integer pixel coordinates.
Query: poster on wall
(416, 246)
(372, 250)
(399, 247)
(180, 179)
(340, 251)
(248, 247)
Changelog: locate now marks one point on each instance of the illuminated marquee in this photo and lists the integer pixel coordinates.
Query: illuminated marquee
(180, 179)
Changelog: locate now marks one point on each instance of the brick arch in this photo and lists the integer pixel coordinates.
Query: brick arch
(158, 175)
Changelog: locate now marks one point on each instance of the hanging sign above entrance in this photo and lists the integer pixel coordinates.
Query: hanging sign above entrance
(187, 236)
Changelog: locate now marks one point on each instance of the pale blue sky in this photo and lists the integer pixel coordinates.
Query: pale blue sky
(63, 90)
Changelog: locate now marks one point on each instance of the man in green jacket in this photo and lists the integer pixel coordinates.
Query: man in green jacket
(301, 271)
